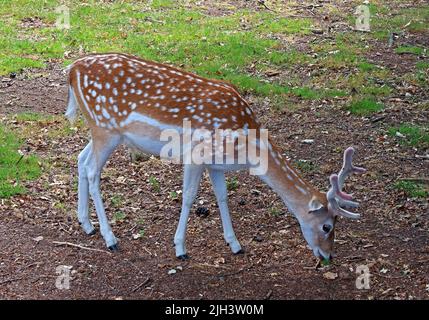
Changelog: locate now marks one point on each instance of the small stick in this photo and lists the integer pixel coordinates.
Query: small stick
(262, 2)
(79, 246)
(10, 280)
(22, 156)
(142, 284)
(268, 295)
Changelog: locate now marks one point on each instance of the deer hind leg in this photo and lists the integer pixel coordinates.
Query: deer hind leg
(83, 192)
(217, 178)
(100, 152)
(191, 182)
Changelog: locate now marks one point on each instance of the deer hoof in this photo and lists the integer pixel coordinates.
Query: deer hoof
(94, 231)
(114, 248)
(183, 257)
(241, 251)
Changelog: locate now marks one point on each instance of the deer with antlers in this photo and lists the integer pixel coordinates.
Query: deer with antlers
(125, 99)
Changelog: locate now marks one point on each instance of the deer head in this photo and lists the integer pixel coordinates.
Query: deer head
(318, 224)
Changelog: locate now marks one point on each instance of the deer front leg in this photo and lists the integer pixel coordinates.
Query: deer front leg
(94, 164)
(191, 182)
(217, 179)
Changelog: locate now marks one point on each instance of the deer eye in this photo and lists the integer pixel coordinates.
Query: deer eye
(326, 228)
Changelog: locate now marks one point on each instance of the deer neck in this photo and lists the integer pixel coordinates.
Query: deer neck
(297, 193)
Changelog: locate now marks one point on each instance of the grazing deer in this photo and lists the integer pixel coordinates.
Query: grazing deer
(125, 99)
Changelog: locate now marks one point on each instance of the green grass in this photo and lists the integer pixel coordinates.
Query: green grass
(306, 166)
(212, 46)
(14, 171)
(422, 65)
(415, 20)
(119, 216)
(412, 189)
(410, 49)
(232, 184)
(154, 183)
(174, 195)
(416, 136)
(365, 106)
(275, 212)
(117, 201)
(366, 66)
(33, 117)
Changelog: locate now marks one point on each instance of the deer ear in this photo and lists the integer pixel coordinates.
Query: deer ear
(314, 205)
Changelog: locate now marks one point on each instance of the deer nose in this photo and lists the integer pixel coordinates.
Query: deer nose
(324, 256)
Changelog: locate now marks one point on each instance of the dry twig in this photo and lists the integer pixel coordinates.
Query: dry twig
(78, 246)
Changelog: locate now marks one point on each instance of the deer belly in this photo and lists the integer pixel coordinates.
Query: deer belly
(144, 144)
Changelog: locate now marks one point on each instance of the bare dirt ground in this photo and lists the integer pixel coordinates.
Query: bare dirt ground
(391, 238)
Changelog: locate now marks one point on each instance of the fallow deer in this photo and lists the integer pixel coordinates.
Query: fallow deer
(125, 99)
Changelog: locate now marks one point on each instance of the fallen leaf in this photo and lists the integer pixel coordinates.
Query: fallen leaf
(172, 271)
(330, 275)
(219, 261)
(38, 239)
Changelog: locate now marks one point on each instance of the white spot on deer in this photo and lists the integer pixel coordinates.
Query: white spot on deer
(115, 108)
(300, 189)
(105, 113)
(115, 91)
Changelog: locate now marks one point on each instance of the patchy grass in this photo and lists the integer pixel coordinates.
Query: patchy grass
(117, 201)
(212, 46)
(56, 126)
(422, 65)
(14, 169)
(418, 51)
(365, 106)
(306, 166)
(416, 136)
(412, 189)
(119, 216)
(366, 66)
(33, 117)
(413, 19)
(232, 183)
(154, 183)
